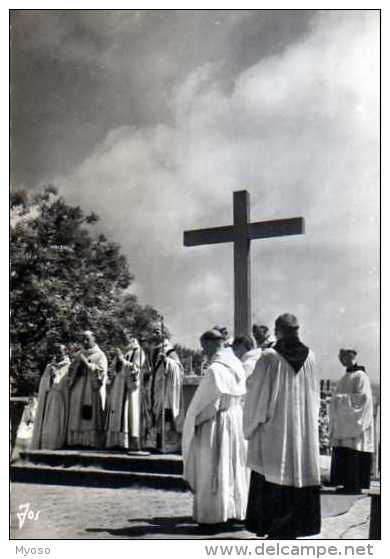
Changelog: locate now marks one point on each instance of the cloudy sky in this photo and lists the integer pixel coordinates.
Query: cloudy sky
(153, 118)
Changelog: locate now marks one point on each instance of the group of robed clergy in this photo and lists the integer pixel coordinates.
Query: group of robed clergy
(84, 403)
(250, 440)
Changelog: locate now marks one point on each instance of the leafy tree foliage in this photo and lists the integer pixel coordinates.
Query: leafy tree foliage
(64, 279)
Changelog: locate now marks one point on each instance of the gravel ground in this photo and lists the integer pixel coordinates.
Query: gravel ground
(100, 513)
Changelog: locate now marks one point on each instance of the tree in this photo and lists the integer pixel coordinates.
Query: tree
(64, 278)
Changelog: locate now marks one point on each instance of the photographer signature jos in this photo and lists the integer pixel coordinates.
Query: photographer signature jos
(26, 513)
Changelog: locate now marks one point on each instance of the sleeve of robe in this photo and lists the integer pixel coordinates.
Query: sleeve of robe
(100, 367)
(134, 365)
(204, 405)
(352, 412)
(262, 389)
(209, 412)
(174, 382)
(140, 358)
(99, 370)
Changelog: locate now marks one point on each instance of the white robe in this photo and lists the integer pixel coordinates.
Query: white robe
(26, 426)
(351, 413)
(249, 360)
(281, 421)
(124, 401)
(88, 389)
(214, 449)
(51, 416)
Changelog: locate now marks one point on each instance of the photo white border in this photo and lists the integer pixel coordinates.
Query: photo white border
(191, 549)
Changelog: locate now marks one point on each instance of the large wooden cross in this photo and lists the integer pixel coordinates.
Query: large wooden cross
(240, 234)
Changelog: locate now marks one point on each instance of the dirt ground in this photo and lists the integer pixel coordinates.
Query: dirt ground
(106, 513)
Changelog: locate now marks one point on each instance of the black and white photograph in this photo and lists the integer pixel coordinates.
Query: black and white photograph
(194, 290)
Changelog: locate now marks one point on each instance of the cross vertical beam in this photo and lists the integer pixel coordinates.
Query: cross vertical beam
(242, 264)
(240, 234)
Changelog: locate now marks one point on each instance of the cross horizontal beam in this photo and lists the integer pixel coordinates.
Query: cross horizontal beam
(257, 230)
(277, 228)
(209, 236)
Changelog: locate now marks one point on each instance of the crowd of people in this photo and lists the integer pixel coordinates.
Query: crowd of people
(250, 436)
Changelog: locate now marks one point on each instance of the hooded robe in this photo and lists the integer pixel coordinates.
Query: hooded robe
(214, 449)
(281, 425)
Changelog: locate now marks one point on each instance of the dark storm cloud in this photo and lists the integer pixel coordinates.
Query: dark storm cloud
(78, 74)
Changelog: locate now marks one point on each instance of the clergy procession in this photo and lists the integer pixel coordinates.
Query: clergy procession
(82, 402)
(249, 437)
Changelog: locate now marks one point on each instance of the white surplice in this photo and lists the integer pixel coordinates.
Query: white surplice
(281, 421)
(351, 413)
(249, 360)
(214, 449)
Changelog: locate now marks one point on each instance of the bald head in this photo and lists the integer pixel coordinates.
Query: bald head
(60, 351)
(88, 339)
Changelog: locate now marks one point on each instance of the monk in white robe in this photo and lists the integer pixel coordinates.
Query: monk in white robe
(281, 425)
(51, 419)
(352, 427)
(88, 374)
(123, 417)
(214, 449)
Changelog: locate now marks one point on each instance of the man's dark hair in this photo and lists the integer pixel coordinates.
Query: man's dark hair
(246, 341)
(288, 325)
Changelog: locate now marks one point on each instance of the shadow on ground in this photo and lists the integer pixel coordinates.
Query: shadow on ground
(332, 505)
(171, 527)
